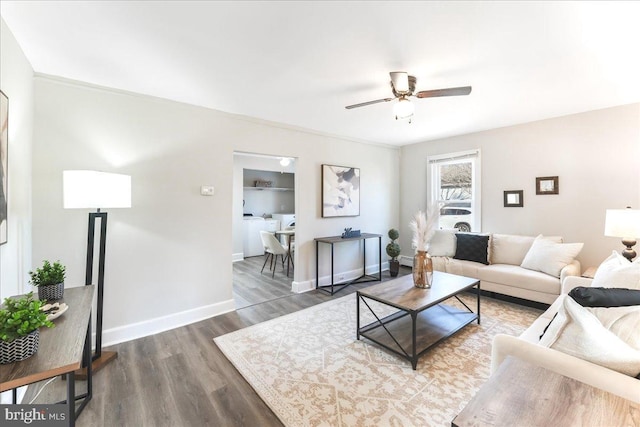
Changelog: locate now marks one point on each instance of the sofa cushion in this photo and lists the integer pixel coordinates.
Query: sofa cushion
(604, 336)
(461, 267)
(617, 272)
(605, 297)
(443, 243)
(519, 277)
(511, 249)
(472, 247)
(550, 257)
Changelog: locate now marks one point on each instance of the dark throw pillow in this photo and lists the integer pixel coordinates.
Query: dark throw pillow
(605, 297)
(472, 247)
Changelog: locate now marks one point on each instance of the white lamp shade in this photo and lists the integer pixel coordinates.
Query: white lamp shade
(403, 109)
(84, 189)
(622, 223)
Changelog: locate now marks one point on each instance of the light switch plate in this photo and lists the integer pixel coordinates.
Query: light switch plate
(206, 190)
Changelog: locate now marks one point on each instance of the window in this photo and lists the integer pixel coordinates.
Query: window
(455, 186)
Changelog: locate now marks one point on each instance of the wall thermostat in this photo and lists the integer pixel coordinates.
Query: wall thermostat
(206, 190)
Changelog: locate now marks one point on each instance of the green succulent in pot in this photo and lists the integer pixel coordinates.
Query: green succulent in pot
(20, 320)
(393, 250)
(21, 316)
(49, 279)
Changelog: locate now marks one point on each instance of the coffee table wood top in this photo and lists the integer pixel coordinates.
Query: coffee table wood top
(402, 294)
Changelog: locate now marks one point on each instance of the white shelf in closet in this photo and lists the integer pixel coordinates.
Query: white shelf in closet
(268, 189)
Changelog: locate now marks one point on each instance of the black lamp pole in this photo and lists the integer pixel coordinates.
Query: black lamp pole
(98, 358)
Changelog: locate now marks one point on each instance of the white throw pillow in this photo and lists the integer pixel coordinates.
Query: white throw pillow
(617, 272)
(443, 243)
(550, 257)
(605, 336)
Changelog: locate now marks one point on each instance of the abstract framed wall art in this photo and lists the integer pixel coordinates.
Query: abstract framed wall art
(4, 165)
(340, 191)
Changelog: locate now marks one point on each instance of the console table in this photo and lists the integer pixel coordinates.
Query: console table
(61, 351)
(522, 394)
(364, 277)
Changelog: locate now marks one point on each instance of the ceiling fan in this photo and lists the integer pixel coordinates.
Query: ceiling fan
(403, 85)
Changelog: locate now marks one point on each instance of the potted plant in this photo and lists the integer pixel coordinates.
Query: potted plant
(50, 280)
(393, 250)
(20, 319)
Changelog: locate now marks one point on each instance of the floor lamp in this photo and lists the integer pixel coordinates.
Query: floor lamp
(96, 190)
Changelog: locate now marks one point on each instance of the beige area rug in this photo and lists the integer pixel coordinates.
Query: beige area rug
(311, 371)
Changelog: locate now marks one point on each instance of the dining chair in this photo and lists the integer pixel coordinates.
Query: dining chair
(273, 248)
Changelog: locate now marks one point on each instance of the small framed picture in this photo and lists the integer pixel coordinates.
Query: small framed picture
(514, 199)
(547, 185)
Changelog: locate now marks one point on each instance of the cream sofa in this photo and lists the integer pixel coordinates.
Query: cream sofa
(526, 347)
(504, 273)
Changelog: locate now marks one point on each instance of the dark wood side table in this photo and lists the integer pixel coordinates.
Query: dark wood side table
(522, 394)
(365, 277)
(61, 351)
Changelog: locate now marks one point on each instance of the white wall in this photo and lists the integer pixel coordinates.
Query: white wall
(16, 81)
(170, 254)
(595, 155)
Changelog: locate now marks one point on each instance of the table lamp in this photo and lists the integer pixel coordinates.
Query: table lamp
(624, 223)
(84, 189)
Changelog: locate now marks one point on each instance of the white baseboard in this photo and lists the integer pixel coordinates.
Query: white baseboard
(160, 324)
(300, 287)
(309, 285)
(237, 257)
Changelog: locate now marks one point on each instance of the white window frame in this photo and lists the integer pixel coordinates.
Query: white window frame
(433, 186)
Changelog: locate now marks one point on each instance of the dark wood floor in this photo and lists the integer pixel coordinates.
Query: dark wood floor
(181, 378)
(250, 286)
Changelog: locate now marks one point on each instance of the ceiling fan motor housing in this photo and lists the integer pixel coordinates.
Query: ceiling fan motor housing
(411, 84)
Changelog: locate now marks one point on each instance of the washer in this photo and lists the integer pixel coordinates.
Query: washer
(286, 219)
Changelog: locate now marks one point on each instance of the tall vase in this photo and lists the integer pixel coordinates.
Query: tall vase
(422, 270)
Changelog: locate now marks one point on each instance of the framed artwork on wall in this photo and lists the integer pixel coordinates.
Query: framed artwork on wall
(514, 199)
(340, 191)
(4, 165)
(547, 185)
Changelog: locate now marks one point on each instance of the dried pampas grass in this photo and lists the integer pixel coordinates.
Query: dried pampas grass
(424, 226)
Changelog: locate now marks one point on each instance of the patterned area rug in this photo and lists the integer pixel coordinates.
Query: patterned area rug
(311, 371)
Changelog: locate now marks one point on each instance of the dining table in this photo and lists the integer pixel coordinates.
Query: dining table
(289, 236)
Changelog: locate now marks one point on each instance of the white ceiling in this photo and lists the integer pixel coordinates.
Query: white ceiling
(300, 63)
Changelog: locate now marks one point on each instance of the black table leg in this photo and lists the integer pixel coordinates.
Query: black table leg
(71, 397)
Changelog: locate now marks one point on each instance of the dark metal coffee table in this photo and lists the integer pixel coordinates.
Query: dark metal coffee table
(422, 320)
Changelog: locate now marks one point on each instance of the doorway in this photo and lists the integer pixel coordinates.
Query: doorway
(263, 198)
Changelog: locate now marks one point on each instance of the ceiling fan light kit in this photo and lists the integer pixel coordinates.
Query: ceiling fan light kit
(403, 86)
(403, 109)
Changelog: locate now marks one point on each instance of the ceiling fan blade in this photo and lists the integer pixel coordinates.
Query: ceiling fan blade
(452, 91)
(363, 104)
(400, 81)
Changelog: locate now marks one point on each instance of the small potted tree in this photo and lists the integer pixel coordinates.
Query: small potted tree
(393, 250)
(50, 280)
(20, 319)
